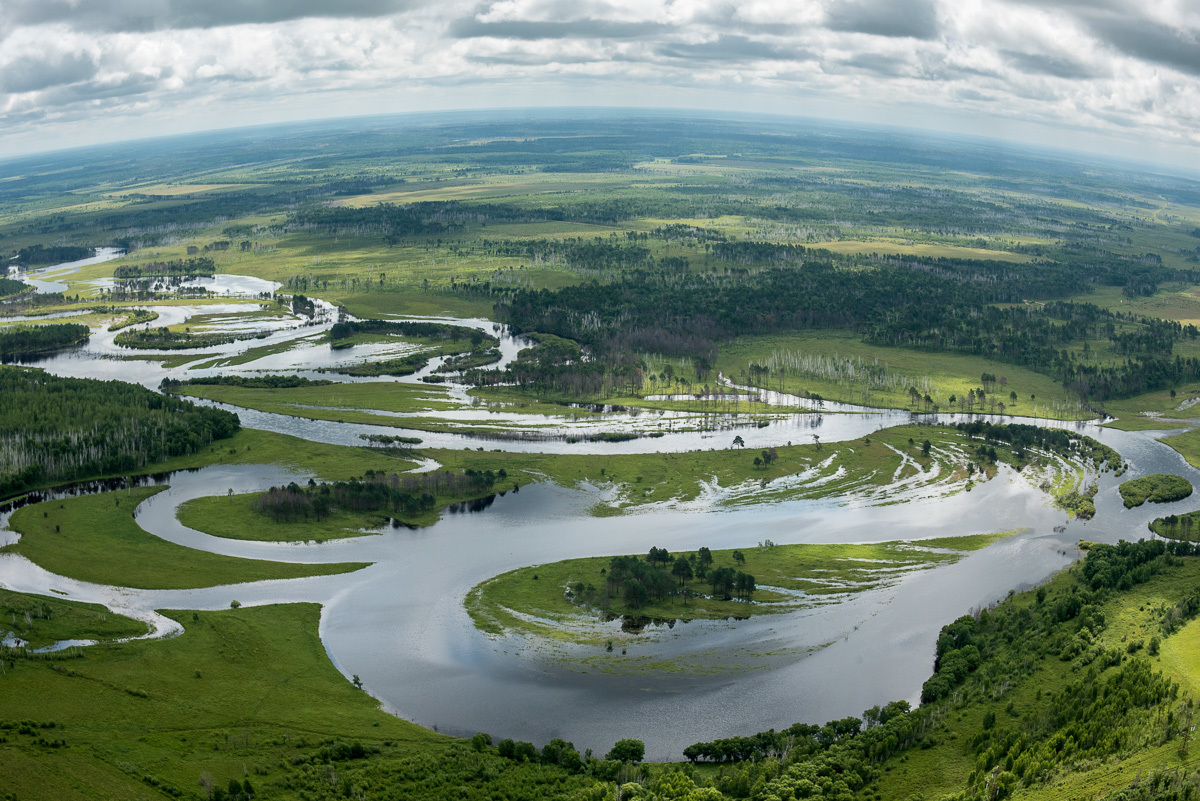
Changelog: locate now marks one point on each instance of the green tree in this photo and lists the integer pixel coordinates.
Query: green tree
(628, 750)
(682, 570)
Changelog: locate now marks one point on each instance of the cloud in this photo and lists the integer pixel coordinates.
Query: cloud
(737, 49)
(68, 65)
(1151, 41)
(894, 18)
(150, 15)
(472, 27)
(1057, 66)
(31, 73)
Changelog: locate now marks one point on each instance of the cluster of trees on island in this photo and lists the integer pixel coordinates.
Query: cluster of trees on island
(62, 429)
(407, 495)
(39, 255)
(1022, 438)
(636, 583)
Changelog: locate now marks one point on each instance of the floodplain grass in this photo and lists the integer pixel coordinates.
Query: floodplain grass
(44, 620)
(238, 517)
(324, 461)
(1143, 423)
(172, 710)
(535, 601)
(95, 538)
(383, 396)
(1187, 444)
(938, 374)
(410, 303)
(654, 478)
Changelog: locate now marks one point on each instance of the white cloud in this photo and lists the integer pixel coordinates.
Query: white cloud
(1121, 69)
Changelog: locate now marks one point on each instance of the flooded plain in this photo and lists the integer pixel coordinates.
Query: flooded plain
(400, 624)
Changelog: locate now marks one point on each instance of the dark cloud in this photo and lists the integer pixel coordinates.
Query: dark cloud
(148, 15)
(902, 18)
(1150, 41)
(1057, 66)
(473, 28)
(735, 48)
(31, 74)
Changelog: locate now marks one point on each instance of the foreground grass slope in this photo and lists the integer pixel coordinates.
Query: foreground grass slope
(149, 719)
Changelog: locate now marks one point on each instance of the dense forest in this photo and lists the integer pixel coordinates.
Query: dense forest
(936, 305)
(10, 287)
(60, 429)
(40, 255)
(19, 341)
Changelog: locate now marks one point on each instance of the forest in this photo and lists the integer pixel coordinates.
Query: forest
(64, 429)
(17, 341)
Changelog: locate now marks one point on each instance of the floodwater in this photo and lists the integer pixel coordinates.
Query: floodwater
(401, 627)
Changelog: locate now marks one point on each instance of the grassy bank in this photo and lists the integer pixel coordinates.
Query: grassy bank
(96, 539)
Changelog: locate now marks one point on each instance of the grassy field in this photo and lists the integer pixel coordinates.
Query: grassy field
(534, 600)
(151, 718)
(96, 539)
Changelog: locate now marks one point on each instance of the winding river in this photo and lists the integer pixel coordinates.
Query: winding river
(401, 627)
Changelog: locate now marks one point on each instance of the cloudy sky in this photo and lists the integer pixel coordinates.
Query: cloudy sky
(1118, 76)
